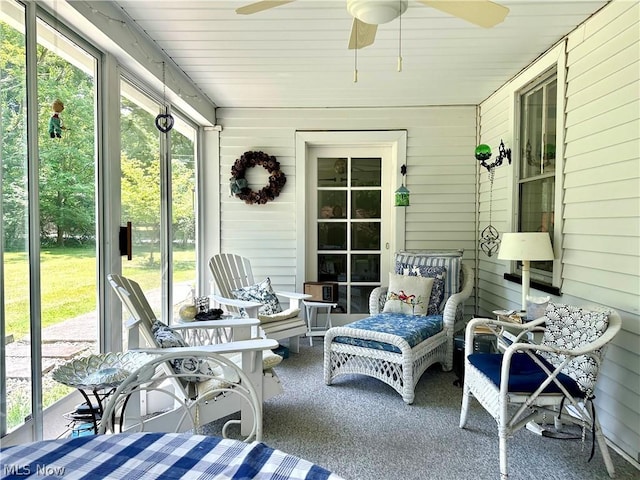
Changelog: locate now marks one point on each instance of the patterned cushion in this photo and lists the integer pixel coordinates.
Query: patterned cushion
(439, 274)
(408, 295)
(413, 328)
(451, 260)
(263, 293)
(569, 327)
(167, 337)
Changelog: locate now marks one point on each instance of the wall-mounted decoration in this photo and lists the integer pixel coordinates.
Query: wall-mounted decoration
(490, 238)
(240, 187)
(402, 193)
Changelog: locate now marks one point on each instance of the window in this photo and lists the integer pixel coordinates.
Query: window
(536, 205)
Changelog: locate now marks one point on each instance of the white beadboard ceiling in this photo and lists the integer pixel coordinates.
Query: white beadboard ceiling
(296, 55)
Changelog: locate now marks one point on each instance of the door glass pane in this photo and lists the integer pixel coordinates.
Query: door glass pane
(366, 172)
(183, 185)
(140, 190)
(332, 268)
(365, 236)
(67, 154)
(14, 297)
(332, 172)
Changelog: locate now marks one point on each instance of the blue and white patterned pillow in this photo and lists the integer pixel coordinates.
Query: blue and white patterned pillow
(439, 275)
(167, 337)
(263, 293)
(451, 260)
(568, 328)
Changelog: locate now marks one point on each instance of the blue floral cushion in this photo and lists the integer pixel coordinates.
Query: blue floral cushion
(413, 328)
(439, 275)
(261, 292)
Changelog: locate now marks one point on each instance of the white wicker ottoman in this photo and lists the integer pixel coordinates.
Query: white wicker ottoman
(387, 356)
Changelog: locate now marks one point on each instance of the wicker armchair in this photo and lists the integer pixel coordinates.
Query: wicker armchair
(530, 380)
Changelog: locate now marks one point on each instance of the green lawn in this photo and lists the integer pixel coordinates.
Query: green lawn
(68, 286)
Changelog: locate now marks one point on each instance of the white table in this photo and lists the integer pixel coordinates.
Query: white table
(311, 314)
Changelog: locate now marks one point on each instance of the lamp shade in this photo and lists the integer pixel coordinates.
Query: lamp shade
(526, 246)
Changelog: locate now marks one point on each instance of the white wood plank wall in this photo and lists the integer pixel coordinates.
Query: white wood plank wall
(441, 178)
(601, 230)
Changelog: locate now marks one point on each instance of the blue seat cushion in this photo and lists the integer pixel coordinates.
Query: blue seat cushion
(413, 328)
(525, 376)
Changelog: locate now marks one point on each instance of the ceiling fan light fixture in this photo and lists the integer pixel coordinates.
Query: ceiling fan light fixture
(376, 12)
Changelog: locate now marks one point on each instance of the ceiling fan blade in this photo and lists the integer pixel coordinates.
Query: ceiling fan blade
(260, 6)
(362, 34)
(479, 12)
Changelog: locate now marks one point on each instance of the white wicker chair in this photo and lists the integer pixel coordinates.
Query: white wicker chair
(231, 272)
(547, 383)
(399, 370)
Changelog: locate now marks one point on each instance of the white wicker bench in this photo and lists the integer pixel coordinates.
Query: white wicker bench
(402, 368)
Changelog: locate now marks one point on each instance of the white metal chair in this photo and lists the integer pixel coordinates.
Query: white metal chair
(530, 380)
(252, 355)
(233, 272)
(186, 387)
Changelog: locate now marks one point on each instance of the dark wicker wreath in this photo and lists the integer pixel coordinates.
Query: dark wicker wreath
(239, 184)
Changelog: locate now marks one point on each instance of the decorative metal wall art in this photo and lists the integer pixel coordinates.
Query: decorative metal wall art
(490, 238)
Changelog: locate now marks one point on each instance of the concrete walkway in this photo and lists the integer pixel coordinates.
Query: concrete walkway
(60, 343)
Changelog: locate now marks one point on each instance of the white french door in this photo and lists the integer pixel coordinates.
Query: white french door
(348, 222)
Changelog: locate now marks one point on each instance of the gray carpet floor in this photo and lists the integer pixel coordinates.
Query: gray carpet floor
(360, 429)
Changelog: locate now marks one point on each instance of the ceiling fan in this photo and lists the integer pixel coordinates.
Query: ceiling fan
(368, 14)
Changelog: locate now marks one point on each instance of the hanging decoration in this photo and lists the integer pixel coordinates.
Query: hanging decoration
(55, 122)
(164, 121)
(402, 193)
(240, 187)
(490, 238)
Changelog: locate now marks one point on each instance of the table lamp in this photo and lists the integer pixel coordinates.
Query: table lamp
(525, 246)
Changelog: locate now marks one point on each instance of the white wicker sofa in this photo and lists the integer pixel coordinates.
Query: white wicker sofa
(397, 348)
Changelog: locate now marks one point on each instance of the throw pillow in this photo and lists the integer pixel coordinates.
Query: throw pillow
(408, 294)
(261, 292)
(568, 328)
(439, 274)
(167, 337)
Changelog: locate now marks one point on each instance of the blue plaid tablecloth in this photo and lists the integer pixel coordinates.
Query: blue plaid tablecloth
(149, 456)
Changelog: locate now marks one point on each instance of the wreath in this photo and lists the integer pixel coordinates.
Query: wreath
(240, 187)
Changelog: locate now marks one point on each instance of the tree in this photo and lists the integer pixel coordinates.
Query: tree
(67, 165)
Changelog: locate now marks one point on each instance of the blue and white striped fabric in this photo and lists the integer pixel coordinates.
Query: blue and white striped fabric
(149, 456)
